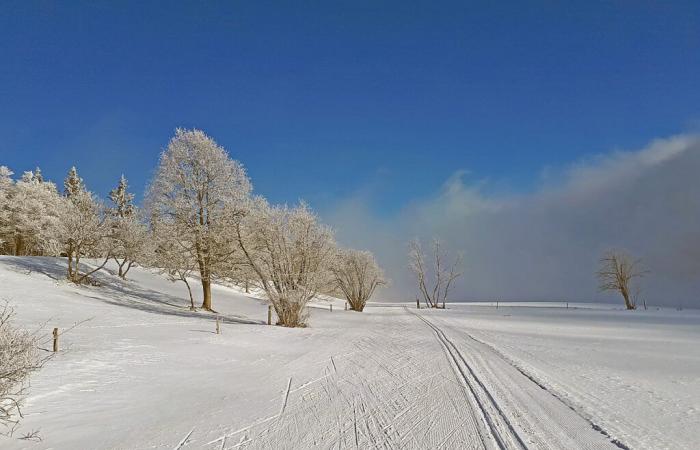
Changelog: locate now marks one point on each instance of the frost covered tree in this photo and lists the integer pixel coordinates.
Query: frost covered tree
(6, 185)
(130, 237)
(84, 229)
(434, 282)
(73, 184)
(31, 216)
(291, 254)
(19, 357)
(616, 273)
(199, 192)
(357, 275)
(172, 258)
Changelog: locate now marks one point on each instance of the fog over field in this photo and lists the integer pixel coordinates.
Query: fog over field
(545, 245)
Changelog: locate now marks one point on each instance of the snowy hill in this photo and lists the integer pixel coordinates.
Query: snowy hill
(142, 371)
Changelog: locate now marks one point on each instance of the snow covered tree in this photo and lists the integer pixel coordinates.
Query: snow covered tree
(128, 232)
(357, 275)
(84, 228)
(6, 186)
(73, 184)
(434, 283)
(31, 216)
(171, 258)
(19, 357)
(199, 192)
(616, 273)
(291, 254)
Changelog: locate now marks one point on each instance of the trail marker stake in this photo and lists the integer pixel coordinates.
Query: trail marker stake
(55, 340)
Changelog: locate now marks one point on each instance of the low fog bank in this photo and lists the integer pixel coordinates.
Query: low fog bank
(545, 245)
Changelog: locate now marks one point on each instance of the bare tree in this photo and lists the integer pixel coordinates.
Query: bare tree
(616, 273)
(434, 283)
(357, 275)
(19, 357)
(290, 253)
(199, 191)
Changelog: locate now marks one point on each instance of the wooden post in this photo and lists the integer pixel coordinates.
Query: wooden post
(55, 340)
(346, 306)
(269, 314)
(417, 304)
(218, 330)
(331, 307)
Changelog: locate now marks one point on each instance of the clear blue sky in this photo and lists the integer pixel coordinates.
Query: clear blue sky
(321, 99)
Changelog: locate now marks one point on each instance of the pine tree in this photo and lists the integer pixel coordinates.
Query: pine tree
(73, 184)
(122, 199)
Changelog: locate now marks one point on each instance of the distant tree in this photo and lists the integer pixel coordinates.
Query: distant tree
(129, 234)
(616, 273)
(198, 191)
(291, 254)
(357, 275)
(19, 357)
(434, 283)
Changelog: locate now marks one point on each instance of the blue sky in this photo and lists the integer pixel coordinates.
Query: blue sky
(322, 100)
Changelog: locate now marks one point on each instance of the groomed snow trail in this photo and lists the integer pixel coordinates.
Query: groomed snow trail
(414, 382)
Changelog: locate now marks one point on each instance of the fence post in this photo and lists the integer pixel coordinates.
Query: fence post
(331, 307)
(55, 340)
(269, 314)
(218, 330)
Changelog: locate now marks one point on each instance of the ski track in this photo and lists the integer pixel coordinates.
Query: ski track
(418, 383)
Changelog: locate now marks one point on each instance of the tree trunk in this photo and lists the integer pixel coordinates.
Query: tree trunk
(206, 289)
(628, 303)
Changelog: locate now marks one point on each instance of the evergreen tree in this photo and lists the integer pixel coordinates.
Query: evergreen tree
(73, 184)
(122, 199)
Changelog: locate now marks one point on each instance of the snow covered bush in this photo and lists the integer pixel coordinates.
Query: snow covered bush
(291, 254)
(357, 275)
(19, 357)
(197, 194)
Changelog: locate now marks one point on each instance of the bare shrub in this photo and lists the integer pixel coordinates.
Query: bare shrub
(19, 357)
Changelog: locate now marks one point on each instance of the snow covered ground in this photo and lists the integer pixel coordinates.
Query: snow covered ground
(144, 372)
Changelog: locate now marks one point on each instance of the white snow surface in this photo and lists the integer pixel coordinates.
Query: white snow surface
(144, 372)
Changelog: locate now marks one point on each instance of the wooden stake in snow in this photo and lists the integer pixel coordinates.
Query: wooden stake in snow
(269, 314)
(331, 307)
(55, 340)
(218, 330)
(417, 304)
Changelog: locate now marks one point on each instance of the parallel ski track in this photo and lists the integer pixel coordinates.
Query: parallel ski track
(483, 399)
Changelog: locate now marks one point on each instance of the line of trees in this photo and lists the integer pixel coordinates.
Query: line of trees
(200, 219)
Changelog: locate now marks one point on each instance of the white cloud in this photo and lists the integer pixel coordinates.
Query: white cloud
(545, 245)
